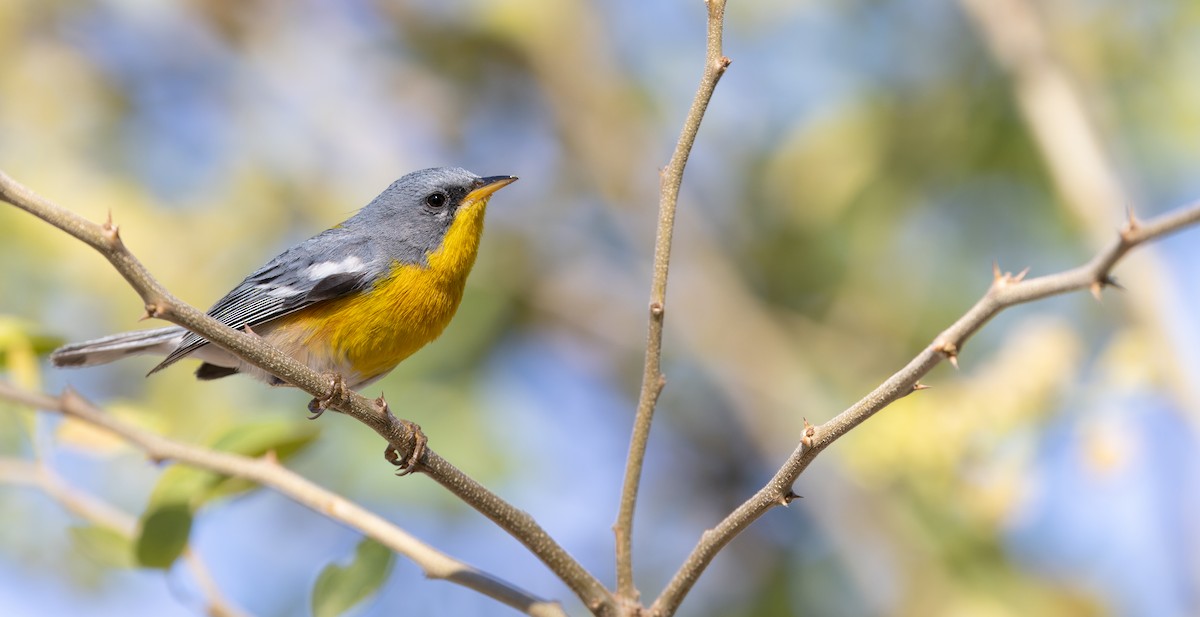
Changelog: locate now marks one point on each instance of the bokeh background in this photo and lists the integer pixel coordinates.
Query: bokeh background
(861, 166)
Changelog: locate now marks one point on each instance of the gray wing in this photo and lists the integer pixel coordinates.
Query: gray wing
(324, 267)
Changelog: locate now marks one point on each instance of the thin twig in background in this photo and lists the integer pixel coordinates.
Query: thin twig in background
(401, 435)
(1006, 290)
(1059, 112)
(98, 512)
(1053, 109)
(268, 472)
(653, 380)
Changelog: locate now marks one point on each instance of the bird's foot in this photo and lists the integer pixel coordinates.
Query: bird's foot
(337, 389)
(413, 461)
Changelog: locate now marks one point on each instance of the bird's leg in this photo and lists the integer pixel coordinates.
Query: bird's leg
(337, 389)
(410, 464)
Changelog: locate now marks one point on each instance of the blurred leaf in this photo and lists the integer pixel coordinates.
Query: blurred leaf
(104, 545)
(20, 345)
(283, 437)
(80, 434)
(41, 342)
(339, 588)
(164, 535)
(187, 485)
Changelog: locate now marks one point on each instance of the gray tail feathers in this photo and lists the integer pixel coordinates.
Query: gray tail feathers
(104, 350)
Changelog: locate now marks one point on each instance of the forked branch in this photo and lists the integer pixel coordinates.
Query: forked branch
(653, 380)
(400, 434)
(1006, 290)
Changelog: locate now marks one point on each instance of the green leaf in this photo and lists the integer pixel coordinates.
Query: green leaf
(164, 535)
(340, 588)
(104, 545)
(187, 485)
(182, 485)
(181, 490)
(285, 438)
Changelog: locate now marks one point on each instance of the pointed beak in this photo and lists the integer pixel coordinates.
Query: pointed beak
(484, 187)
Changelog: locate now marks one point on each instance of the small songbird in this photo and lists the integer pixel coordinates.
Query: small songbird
(354, 300)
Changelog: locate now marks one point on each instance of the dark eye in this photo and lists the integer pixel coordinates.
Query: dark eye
(436, 200)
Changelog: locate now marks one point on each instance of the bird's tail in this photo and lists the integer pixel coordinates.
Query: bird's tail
(104, 350)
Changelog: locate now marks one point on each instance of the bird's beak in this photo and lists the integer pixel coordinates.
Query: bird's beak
(484, 187)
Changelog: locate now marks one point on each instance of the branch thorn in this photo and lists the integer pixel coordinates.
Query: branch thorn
(810, 431)
(920, 386)
(950, 350)
(1004, 279)
(1131, 224)
(1099, 284)
(111, 231)
(789, 497)
(151, 310)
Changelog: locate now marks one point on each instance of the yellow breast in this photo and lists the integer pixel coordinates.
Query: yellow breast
(367, 334)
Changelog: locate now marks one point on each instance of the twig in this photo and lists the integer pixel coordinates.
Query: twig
(653, 380)
(215, 605)
(266, 471)
(99, 512)
(1006, 290)
(401, 435)
(1054, 109)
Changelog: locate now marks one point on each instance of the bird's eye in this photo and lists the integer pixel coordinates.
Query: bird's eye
(436, 200)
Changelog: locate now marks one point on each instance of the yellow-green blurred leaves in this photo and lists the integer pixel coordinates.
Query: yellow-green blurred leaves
(824, 162)
(103, 545)
(21, 342)
(969, 440)
(181, 490)
(195, 487)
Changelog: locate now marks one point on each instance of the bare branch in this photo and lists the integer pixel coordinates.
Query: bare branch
(653, 380)
(401, 435)
(266, 471)
(1006, 290)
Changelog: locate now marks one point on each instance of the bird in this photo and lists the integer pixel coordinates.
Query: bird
(352, 301)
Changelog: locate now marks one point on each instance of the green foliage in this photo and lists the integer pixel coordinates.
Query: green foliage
(283, 438)
(164, 535)
(182, 490)
(339, 588)
(195, 487)
(104, 545)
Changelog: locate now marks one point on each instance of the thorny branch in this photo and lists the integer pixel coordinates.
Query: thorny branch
(1006, 290)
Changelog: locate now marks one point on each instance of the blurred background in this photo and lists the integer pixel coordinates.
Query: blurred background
(861, 166)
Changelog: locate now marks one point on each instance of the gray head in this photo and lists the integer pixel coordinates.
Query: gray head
(417, 210)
